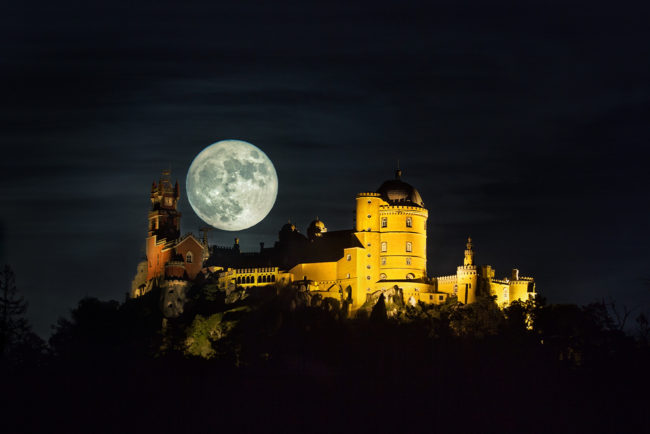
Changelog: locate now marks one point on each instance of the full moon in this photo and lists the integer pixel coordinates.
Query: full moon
(232, 185)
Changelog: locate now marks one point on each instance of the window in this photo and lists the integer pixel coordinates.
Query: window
(368, 244)
(383, 261)
(349, 257)
(382, 276)
(188, 257)
(368, 277)
(384, 246)
(348, 275)
(369, 201)
(408, 261)
(455, 289)
(384, 222)
(409, 222)
(369, 216)
(441, 298)
(368, 267)
(409, 246)
(410, 276)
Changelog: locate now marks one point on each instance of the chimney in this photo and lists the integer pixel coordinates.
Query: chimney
(515, 274)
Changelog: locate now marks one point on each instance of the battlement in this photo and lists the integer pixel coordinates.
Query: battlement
(224, 248)
(449, 278)
(416, 209)
(368, 194)
(467, 267)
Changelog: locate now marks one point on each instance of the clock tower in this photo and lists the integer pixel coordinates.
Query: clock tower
(164, 224)
(164, 218)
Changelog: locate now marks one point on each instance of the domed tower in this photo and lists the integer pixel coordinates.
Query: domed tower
(316, 229)
(403, 231)
(287, 231)
(392, 225)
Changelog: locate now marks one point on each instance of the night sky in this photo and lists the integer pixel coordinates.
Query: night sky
(524, 125)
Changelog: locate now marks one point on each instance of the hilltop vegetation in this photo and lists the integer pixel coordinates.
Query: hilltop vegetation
(280, 359)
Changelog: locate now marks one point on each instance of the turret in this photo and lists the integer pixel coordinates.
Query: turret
(316, 229)
(469, 253)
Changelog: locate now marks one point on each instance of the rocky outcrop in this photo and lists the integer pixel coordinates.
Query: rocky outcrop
(393, 300)
(173, 297)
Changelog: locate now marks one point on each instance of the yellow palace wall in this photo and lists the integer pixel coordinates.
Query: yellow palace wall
(394, 240)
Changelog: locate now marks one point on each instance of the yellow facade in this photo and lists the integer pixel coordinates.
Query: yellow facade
(391, 227)
(248, 277)
(386, 250)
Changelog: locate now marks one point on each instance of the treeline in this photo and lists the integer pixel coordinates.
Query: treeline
(280, 359)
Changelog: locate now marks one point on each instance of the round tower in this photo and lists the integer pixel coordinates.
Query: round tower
(403, 231)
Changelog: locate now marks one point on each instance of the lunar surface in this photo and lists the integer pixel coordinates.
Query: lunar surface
(232, 185)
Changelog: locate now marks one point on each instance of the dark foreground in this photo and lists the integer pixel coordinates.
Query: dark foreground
(485, 393)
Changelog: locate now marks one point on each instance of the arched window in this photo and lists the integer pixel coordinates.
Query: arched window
(273, 278)
(409, 246)
(410, 276)
(188, 257)
(408, 261)
(384, 222)
(384, 246)
(409, 222)
(382, 276)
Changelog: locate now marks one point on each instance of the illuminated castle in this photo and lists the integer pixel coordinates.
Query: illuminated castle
(385, 251)
(170, 258)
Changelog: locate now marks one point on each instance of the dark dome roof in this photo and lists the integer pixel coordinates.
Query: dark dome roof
(316, 229)
(317, 224)
(397, 192)
(288, 227)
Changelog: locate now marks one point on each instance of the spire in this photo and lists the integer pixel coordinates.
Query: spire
(469, 253)
(177, 190)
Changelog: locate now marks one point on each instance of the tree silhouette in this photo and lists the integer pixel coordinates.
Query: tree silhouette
(18, 344)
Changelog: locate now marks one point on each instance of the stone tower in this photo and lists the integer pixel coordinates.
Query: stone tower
(467, 276)
(164, 225)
